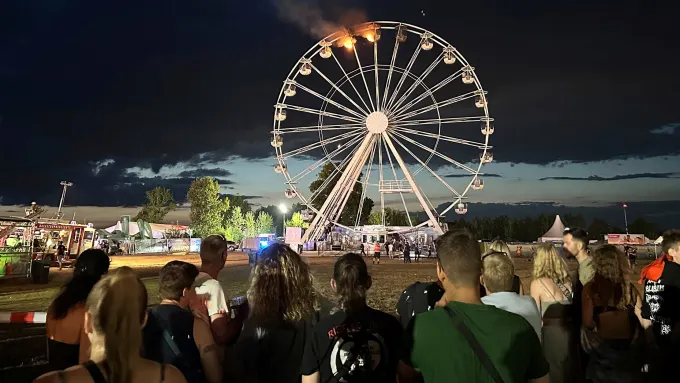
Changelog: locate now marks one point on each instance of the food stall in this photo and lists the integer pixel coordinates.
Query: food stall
(75, 237)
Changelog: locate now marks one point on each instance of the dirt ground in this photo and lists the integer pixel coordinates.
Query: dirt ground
(389, 278)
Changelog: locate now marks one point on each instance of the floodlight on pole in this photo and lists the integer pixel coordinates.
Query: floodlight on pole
(66, 185)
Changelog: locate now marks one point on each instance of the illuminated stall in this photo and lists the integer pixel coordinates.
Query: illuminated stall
(75, 237)
(15, 245)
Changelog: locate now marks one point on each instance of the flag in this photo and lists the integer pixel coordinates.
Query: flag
(625, 205)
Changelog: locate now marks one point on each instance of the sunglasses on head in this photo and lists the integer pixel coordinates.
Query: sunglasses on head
(492, 253)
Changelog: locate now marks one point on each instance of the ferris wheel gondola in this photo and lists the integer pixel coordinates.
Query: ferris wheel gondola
(380, 124)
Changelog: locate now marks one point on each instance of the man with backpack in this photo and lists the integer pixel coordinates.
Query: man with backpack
(490, 344)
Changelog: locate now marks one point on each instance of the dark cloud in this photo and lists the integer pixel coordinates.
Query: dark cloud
(668, 129)
(615, 178)
(197, 173)
(93, 81)
(485, 175)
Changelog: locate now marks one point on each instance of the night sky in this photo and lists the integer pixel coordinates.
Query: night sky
(121, 96)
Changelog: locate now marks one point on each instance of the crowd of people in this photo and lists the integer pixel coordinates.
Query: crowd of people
(474, 324)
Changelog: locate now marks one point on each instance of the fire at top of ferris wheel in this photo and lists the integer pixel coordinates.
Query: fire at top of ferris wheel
(391, 107)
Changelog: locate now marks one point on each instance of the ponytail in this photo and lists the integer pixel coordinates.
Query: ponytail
(352, 281)
(118, 305)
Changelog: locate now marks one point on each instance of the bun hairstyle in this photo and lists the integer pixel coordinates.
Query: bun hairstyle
(118, 307)
(352, 281)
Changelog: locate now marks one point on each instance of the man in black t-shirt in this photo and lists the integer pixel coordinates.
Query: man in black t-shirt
(661, 306)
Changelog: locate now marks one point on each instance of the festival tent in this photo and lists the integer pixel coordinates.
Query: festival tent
(158, 230)
(555, 232)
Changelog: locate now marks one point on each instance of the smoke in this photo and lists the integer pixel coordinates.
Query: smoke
(310, 18)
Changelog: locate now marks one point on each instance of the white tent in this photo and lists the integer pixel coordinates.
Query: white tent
(157, 229)
(658, 240)
(555, 232)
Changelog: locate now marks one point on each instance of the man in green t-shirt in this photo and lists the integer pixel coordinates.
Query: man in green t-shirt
(434, 346)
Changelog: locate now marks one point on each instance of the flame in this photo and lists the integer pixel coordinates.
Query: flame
(370, 37)
(348, 43)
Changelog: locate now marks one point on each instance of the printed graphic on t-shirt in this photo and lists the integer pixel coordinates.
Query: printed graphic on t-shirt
(358, 355)
(653, 296)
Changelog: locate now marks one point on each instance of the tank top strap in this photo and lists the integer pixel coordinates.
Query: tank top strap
(162, 372)
(95, 372)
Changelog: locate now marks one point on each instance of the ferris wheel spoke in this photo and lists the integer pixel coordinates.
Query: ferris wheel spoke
(365, 186)
(446, 120)
(436, 153)
(394, 172)
(423, 164)
(323, 113)
(316, 128)
(428, 92)
(389, 73)
(417, 82)
(328, 100)
(321, 143)
(320, 73)
(438, 105)
(325, 159)
(403, 77)
(377, 80)
(361, 69)
(475, 144)
(349, 80)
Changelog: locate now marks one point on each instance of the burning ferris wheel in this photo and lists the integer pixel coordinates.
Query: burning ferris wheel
(389, 107)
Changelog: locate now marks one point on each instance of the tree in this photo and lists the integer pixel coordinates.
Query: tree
(206, 206)
(238, 201)
(642, 226)
(349, 213)
(250, 224)
(394, 217)
(598, 229)
(236, 225)
(159, 202)
(264, 223)
(375, 218)
(225, 206)
(297, 221)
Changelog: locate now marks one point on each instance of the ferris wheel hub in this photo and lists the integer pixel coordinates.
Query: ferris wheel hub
(377, 122)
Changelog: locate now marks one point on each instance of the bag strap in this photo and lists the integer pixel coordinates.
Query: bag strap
(168, 338)
(474, 345)
(94, 371)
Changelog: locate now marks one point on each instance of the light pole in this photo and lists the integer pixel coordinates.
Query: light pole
(625, 216)
(284, 210)
(66, 185)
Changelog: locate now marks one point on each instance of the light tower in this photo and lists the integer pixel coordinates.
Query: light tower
(66, 185)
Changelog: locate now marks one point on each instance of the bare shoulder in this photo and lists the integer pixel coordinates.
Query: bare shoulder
(75, 373)
(173, 375)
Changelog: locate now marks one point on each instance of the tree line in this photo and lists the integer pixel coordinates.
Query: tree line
(233, 216)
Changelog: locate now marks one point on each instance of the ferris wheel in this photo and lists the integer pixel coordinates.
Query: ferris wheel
(389, 111)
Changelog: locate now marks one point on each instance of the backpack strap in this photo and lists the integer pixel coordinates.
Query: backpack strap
(95, 372)
(474, 345)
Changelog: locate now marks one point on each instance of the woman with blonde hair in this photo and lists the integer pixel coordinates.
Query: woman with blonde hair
(552, 290)
(499, 246)
(114, 317)
(282, 302)
(612, 317)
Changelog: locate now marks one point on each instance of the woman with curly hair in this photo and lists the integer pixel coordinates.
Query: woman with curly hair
(282, 304)
(611, 319)
(551, 288)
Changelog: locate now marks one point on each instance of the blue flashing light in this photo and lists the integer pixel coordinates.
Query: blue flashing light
(264, 244)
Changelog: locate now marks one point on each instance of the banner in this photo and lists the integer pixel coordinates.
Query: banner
(626, 239)
(195, 245)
